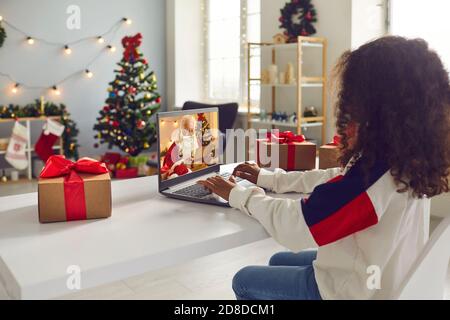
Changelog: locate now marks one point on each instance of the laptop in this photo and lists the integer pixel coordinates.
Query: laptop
(189, 150)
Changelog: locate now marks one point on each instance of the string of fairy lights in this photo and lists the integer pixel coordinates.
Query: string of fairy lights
(67, 49)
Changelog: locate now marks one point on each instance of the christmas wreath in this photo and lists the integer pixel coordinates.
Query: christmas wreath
(296, 18)
(2, 35)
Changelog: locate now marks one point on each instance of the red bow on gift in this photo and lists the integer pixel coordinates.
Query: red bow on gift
(74, 196)
(131, 44)
(336, 141)
(285, 137)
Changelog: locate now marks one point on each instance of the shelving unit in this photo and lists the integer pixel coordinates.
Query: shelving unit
(29, 147)
(305, 82)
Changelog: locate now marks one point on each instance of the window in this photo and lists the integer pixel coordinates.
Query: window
(409, 19)
(229, 24)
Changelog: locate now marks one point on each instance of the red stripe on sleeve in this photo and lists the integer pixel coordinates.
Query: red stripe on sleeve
(355, 216)
(336, 179)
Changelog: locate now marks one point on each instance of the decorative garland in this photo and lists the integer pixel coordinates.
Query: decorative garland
(105, 39)
(306, 16)
(2, 35)
(32, 110)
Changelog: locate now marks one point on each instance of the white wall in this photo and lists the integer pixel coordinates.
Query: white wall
(41, 64)
(170, 53)
(345, 23)
(334, 23)
(185, 59)
(368, 20)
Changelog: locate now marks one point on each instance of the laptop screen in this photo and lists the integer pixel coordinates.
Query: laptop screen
(188, 142)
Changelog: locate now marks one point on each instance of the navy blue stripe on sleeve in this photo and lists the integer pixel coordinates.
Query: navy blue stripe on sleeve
(328, 198)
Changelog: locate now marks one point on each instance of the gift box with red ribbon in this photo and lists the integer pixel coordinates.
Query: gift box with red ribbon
(286, 150)
(329, 154)
(69, 191)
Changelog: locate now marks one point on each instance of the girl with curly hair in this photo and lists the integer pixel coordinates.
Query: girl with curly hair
(369, 219)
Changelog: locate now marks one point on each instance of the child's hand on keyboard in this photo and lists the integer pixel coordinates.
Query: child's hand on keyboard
(248, 171)
(219, 186)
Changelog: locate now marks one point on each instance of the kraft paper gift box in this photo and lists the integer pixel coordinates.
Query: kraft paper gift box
(329, 154)
(294, 152)
(69, 191)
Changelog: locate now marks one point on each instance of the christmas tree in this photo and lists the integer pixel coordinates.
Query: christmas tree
(125, 119)
(206, 130)
(206, 135)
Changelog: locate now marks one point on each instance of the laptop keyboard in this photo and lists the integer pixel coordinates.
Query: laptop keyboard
(199, 191)
(194, 191)
(227, 176)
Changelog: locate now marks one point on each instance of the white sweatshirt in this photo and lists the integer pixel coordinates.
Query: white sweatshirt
(359, 227)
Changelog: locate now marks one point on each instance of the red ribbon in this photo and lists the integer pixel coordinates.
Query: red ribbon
(286, 137)
(336, 141)
(131, 44)
(74, 196)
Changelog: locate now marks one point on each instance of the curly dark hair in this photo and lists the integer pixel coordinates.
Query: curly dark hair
(397, 92)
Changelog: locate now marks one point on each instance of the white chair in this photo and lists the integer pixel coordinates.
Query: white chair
(426, 279)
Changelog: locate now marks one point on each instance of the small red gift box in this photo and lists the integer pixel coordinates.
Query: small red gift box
(111, 159)
(329, 154)
(292, 152)
(127, 173)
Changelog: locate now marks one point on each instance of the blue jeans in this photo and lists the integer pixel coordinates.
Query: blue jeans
(289, 276)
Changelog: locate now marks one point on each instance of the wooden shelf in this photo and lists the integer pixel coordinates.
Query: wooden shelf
(3, 120)
(304, 124)
(306, 82)
(22, 179)
(29, 149)
(279, 85)
(56, 147)
(287, 46)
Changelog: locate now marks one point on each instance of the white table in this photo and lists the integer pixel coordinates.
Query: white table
(146, 231)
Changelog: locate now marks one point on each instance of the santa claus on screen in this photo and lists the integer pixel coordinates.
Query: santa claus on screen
(180, 156)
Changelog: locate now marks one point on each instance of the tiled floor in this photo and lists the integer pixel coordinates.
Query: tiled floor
(205, 278)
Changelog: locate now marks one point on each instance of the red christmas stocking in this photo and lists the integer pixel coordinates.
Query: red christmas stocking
(51, 132)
